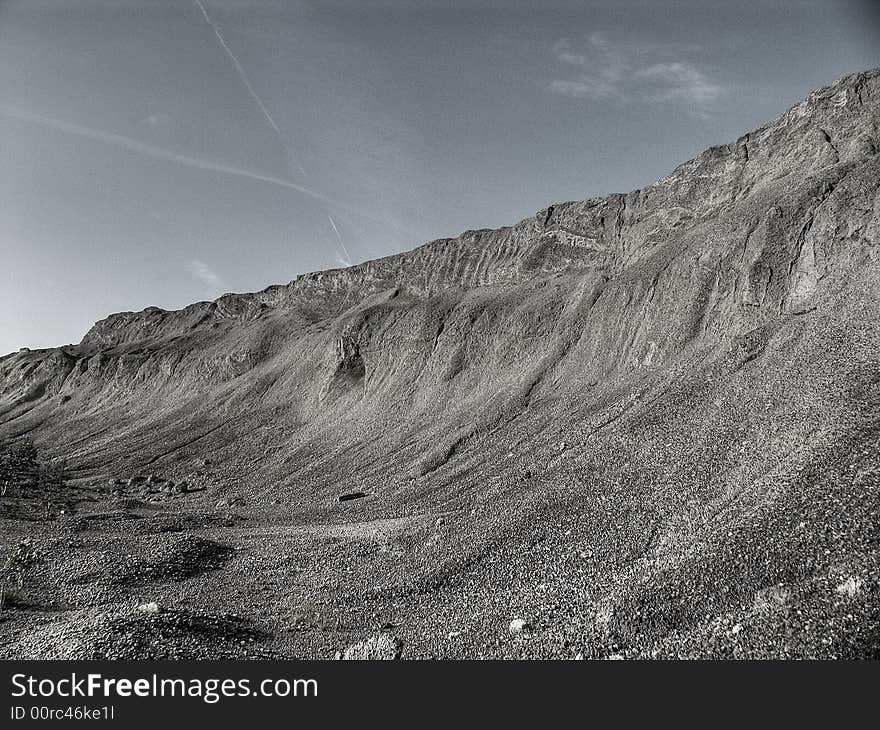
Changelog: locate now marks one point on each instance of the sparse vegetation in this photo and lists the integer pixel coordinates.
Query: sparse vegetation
(19, 467)
(17, 565)
(51, 474)
(35, 486)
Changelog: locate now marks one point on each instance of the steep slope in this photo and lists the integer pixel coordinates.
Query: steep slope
(649, 421)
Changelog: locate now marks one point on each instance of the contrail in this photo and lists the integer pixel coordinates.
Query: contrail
(347, 260)
(160, 153)
(245, 80)
(198, 163)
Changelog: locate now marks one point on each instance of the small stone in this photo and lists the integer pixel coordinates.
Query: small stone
(519, 626)
(228, 502)
(151, 607)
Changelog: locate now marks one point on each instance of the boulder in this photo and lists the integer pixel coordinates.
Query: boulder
(379, 647)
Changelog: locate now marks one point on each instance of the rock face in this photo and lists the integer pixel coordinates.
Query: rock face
(688, 372)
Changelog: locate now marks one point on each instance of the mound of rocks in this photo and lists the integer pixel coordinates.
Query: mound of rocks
(125, 634)
(153, 487)
(170, 557)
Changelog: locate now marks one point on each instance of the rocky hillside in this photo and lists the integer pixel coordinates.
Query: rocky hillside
(646, 423)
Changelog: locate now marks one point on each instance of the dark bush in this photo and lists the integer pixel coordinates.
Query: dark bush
(19, 468)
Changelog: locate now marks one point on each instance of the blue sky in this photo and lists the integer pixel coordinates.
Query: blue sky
(159, 153)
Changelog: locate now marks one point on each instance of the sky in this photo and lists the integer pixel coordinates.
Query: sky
(160, 153)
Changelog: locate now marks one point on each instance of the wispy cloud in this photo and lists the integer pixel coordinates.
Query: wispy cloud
(153, 120)
(601, 68)
(652, 73)
(203, 273)
(681, 81)
(584, 87)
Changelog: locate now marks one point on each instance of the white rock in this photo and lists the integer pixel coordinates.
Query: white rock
(151, 607)
(851, 587)
(382, 646)
(519, 626)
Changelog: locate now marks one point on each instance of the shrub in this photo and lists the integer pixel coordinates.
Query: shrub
(51, 475)
(18, 465)
(18, 564)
